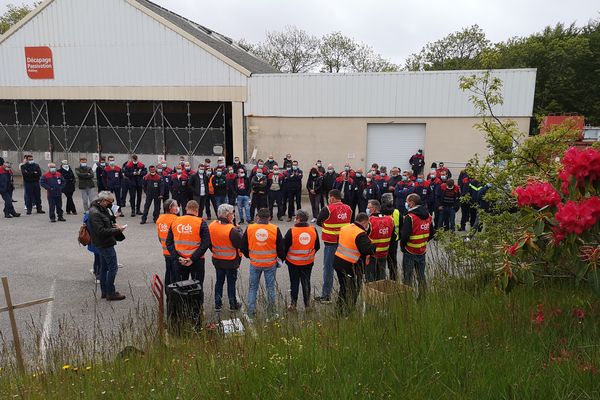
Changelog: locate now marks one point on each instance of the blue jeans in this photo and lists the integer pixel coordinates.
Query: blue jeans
(255, 273)
(448, 218)
(411, 262)
(108, 269)
(220, 200)
(243, 203)
(231, 276)
(328, 255)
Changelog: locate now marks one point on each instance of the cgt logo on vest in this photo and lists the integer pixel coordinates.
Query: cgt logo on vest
(304, 238)
(342, 215)
(424, 227)
(261, 235)
(384, 231)
(163, 228)
(181, 228)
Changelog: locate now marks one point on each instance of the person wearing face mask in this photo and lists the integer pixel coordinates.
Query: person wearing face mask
(314, 185)
(69, 177)
(360, 183)
(382, 179)
(382, 234)
(135, 172)
(422, 187)
(54, 184)
(270, 163)
(237, 165)
(370, 189)
(259, 193)
(320, 167)
(345, 184)
(112, 179)
(348, 169)
(242, 189)
(328, 181)
(221, 163)
(104, 234)
(153, 189)
(6, 189)
(293, 189)
(100, 165)
(165, 177)
(402, 190)
(275, 182)
(388, 208)
(448, 204)
(179, 186)
(220, 187)
(85, 177)
(349, 260)
(435, 184)
(225, 242)
(287, 162)
(417, 231)
(442, 170)
(32, 173)
(210, 197)
(260, 166)
(465, 207)
(163, 225)
(198, 185)
(230, 179)
(417, 162)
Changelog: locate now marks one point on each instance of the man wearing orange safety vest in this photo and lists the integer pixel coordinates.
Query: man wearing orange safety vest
(163, 226)
(417, 230)
(382, 234)
(354, 245)
(225, 241)
(187, 241)
(301, 244)
(331, 218)
(263, 245)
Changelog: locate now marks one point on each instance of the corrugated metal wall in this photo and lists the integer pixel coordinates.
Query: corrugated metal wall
(110, 43)
(402, 94)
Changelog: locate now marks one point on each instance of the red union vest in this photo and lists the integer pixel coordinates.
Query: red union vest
(163, 224)
(339, 216)
(382, 228)
(417, 242)
(302, 250)
(186, 234)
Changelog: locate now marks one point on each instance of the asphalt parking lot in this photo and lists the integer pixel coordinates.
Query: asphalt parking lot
(43, 259)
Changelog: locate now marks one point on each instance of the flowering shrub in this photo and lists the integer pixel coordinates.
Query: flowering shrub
(560, 232)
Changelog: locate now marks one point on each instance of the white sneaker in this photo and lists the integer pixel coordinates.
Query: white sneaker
(313, 220)
(92, 272)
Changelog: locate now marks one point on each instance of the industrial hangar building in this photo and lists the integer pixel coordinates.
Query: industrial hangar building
(91, 77)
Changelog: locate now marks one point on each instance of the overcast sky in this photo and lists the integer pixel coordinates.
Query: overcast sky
(395, 28)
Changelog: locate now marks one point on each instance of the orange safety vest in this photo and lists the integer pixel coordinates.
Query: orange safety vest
(221, 246)
(347, 249)
(163, 224)
(211, 188)
(339, 216)
(186, 234)
(262, 245)
(381, 234)
(302, 251)
(417, 242)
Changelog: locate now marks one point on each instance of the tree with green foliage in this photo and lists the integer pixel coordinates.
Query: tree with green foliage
(14, 14)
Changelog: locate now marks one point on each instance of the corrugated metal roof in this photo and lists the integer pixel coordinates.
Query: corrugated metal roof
(217, 41)
(396, 94)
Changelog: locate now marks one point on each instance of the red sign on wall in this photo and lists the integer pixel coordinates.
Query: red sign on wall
(38, 62)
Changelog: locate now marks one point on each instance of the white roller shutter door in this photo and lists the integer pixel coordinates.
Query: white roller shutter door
(392, 145)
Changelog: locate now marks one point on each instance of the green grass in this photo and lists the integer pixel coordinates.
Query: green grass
(452, 346)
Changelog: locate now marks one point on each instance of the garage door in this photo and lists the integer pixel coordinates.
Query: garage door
(392, 145)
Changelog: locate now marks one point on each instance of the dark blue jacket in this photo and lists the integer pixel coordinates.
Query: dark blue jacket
(135, 174)
(100, 177)
(113, 177)
(31, 172)
(53, 183)
(5, 180)
(293, 181)
(401, 192)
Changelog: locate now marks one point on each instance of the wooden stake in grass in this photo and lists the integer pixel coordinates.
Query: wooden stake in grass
(158, 291)
(13, 322)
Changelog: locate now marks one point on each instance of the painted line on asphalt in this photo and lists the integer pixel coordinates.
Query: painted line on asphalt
(45, 338)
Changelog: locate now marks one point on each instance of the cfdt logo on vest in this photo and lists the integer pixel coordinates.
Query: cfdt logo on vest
(163, 227)
(181, 228)
(261, 235)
